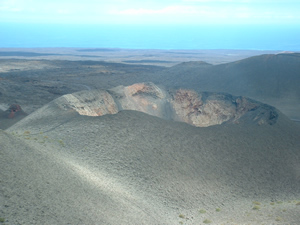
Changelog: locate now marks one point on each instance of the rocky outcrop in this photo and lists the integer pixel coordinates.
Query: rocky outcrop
(91, 103)
(14, 111)
(191, 108)
(198, 109)
(11, 116)
(143, 97)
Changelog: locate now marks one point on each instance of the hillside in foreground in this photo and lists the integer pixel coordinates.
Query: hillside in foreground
(129, 167)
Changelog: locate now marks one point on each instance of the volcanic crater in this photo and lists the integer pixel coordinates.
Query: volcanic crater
(198, 109)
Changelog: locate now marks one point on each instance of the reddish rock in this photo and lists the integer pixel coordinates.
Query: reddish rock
(13, 109)
(198, 109)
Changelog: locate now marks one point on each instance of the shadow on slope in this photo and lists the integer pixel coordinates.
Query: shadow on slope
(40, 185)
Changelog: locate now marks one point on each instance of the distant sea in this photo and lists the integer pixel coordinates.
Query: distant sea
(151, 37)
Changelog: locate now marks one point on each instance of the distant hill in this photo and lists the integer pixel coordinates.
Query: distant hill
(272, 79)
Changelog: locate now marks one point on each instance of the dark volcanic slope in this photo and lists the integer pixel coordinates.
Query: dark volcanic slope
(270, 76)
(132, 168)
(273, 79)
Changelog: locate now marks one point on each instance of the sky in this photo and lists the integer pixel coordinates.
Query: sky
(151, 12)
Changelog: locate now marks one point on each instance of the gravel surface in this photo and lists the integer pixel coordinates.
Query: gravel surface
(132, 168)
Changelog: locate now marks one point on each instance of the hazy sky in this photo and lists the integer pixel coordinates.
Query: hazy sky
(151, 11)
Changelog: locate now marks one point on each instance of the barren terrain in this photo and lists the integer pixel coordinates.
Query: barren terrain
(154, 140)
